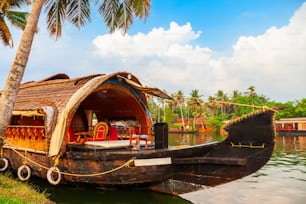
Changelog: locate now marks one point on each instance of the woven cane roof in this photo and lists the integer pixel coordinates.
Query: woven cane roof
(52, 91)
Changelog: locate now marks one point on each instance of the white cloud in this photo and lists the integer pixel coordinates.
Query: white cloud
(274, 62)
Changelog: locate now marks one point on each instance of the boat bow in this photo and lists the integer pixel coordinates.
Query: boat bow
(248, 147)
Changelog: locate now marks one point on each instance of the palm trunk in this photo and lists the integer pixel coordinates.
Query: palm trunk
(9, 93)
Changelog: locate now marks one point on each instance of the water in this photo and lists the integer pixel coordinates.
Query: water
(282, 180)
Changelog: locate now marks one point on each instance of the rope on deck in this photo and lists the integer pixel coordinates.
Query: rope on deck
(126, 164)
(246, 105)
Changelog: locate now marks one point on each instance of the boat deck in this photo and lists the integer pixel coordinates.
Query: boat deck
(121, 149)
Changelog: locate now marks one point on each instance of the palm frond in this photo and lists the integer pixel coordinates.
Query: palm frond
(78, 12)
(56, 14)
(141, 8)
(124, 15)
(119, 14)
(5, 35)
(108, 10)
(17, 18)
(19, 3)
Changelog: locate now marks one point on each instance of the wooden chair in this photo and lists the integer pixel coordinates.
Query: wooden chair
(135, 134)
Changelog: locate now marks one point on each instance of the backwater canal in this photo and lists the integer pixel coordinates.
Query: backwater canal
(281, 180)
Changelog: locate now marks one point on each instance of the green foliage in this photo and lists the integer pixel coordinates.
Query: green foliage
(169, 115)
(222, 106)
(217, 122)
(15, 18)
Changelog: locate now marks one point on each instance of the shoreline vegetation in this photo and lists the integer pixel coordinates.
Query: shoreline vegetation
(13, 191)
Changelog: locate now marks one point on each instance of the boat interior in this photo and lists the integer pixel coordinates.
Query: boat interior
(112, 116)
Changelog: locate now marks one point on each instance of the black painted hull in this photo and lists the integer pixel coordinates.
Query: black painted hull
(247, 148)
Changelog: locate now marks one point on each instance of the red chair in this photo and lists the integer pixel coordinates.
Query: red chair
(113, 135)
(100, 131)
(71, 135)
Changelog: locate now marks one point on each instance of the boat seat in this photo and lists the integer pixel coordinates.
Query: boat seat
(100, 131)
(135, 134)
(113, 134)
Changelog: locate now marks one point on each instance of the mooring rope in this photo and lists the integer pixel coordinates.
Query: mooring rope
(126, 164)
(246, 105)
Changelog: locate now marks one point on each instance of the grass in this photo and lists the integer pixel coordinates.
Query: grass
(17, 192)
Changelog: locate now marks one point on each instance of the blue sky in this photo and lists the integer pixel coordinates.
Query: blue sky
(221, 22)
(208, 45)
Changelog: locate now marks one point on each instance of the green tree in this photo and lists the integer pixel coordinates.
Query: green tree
(195, 104)
(179, 104)
(233, 106)
(300, 108)
(212, 105)
(222, 97)
(117, 14)
(9, 15)
(195, 101)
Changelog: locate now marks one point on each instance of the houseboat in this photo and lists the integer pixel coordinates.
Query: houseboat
(291, 126)
(52, 135)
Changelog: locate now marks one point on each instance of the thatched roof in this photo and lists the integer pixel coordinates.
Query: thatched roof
(52, 91)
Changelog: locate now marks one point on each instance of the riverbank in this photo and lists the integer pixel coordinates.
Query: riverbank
(16, 192)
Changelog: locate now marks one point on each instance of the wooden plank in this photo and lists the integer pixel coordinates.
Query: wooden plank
(211, 160)
(153, 161)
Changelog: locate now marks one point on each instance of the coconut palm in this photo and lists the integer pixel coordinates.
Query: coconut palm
(117, 14)
(222, 97)
(9, 15)
(195, 100)
(195, 104)
(179, 102)
(212, 105)
(234, 97)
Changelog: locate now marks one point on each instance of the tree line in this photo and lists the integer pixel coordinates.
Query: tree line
(220, 107)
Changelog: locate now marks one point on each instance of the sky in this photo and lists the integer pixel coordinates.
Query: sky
(208, 45)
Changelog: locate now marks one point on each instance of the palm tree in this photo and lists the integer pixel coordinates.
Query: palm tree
(117, 14)
(234, 97)
(222, 97)
(212, 105)
(16, 18)
(195, 104)
(251, 93)
(179, 101)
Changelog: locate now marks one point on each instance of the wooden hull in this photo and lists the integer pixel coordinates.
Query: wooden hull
(248, 147)
(80, 161)
(291, 132)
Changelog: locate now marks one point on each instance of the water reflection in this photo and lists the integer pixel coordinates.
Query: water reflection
(85, 194)
(192, 139)
(282, 180)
